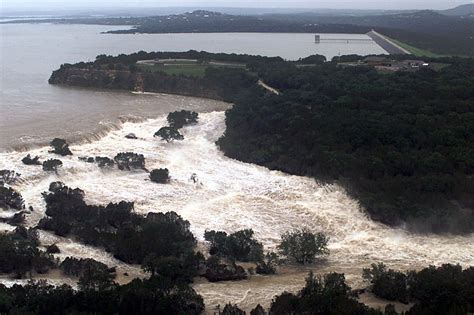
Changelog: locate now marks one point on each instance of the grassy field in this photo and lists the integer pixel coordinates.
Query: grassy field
(416, 51)
(187, 69)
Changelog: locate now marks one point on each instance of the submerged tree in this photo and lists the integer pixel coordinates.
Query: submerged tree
(161, 176)
(240, 245)
(9, 176)
(179, 119)
(303, 246)
(103, 161)
(28, 160)
(258, 310)
(129, 160)
(321, 295)
(232, 309)
(52, 165)
(268, 264)
(10, 198)
(60, 147)
(169, 134)
(387, 283)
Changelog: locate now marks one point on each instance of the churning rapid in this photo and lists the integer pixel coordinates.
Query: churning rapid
(230, 195)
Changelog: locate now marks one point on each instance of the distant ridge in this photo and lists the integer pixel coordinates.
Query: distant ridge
(462, 10)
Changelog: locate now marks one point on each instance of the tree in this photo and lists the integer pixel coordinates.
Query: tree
(169, 134)
(179, 119)
(303, 246)
(313, 59)
(10, 198)
(60, 147)
(103, 162)
(267, 266)
(321, 295)
(387, 283)
(171, 267)
(258, 310)
(160, 176)
(53, 249)
(96, 279)
(20, 253)
(8, 176)
(130, 160)
(28, 160)
(446, 289)
(240, 245)
(52, 165)
(232, 309)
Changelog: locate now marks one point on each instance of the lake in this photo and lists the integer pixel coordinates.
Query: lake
(33, 111)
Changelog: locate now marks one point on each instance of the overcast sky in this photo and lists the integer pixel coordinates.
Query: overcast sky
(335, 4)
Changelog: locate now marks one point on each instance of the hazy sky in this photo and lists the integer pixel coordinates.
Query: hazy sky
(336, 4)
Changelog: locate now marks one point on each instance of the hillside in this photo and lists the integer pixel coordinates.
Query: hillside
(462, 10)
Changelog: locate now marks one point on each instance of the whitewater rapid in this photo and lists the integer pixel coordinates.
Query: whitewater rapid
(231, 195)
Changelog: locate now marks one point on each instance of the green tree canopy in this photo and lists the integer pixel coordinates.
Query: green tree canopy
(303, 246)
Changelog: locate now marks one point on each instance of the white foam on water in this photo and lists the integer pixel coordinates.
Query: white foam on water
(232, 196)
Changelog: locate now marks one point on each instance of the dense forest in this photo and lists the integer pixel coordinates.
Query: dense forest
(401, 143)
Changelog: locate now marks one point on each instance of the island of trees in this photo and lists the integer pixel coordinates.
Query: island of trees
(164, 246)
(401, 143)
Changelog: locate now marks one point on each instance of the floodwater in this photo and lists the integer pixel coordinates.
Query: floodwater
(233, 196)
(32, 111)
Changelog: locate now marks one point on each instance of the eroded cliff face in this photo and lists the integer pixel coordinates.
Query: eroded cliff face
(134, 81)
(98, 78)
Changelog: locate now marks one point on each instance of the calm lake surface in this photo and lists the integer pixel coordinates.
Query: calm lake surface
(33, 112)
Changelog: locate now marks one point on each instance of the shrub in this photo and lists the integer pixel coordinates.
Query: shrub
(240, 245)
(160, 176)
(232, 309)
(20, 253)
(181, 118)
(130, 160)
(93, 275)
(258, 310)
(387, 283)
(169, 134)
(320, 295)
(52, 165)
(53, 249)
(103, 162)
(17, 219)
(10, 198)
(60, 147)
(8, 176)
(267, 266)
(28, 160)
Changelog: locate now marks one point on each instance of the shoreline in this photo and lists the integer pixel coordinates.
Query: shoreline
(103, 127)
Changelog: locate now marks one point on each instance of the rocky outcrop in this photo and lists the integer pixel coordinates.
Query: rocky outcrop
(220, 270)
